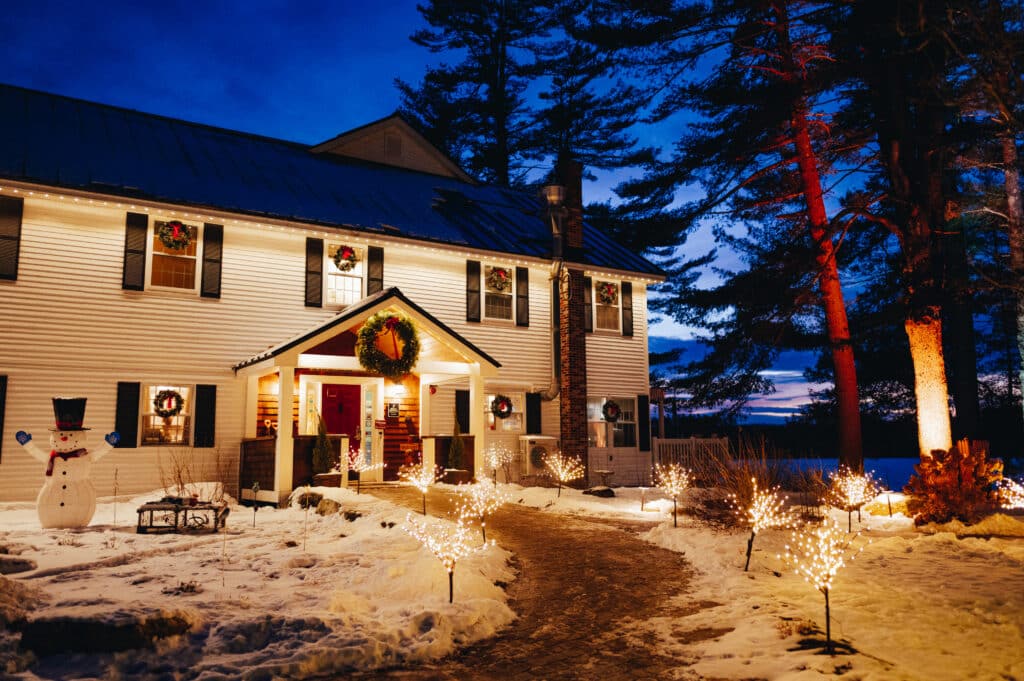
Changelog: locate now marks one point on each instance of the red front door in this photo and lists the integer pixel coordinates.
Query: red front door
(340, 408)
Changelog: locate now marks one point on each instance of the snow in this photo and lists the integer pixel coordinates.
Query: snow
(299, 594)
(914, 604)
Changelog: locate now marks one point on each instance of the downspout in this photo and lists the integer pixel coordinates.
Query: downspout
(555, 195)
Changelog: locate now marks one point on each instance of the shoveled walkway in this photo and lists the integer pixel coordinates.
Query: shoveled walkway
(578, 582)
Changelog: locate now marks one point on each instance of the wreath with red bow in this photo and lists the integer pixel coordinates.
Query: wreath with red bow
(608, 293)
(168, 403)
(501, 406)
(611, 411)
(395, 330)
(345, 258)
(499, 279)
(175, 235)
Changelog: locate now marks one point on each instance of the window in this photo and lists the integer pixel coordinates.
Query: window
(606, 305)
(345, 267)
(166, 415)
(604, 429)
(174, 247)
(513, 423)
(498, 284)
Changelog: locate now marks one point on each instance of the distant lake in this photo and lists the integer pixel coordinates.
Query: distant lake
(893, 473)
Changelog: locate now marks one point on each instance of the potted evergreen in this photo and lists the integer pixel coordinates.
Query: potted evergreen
(454, 473)
(324, 474)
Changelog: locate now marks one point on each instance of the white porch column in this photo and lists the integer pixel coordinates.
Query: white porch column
(252, 390)
(477, 426)
(285, 443)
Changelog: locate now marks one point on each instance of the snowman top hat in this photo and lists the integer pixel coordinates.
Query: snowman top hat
(69, 413)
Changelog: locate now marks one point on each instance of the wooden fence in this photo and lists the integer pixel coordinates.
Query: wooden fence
(693, 452)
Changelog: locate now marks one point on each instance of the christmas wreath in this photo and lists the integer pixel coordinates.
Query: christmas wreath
(345, 258)
(168, 403)
(394, 331)
(501, 406)
(499, 278)
(175, 235)
(608, 293)
(611, 411)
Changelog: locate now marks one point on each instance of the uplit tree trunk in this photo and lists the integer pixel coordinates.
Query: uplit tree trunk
(933, 428)
(1015, 235)
(851, 452)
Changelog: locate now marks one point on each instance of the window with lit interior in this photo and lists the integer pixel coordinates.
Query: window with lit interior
(602, 431)
(345, 283)
(498, 284)
(606, 305)
(175, 249)
(166, 415)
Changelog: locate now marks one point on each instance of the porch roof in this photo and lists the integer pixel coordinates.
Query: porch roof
(363, 310)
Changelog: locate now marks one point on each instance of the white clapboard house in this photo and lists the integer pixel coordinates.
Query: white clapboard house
(187, 280)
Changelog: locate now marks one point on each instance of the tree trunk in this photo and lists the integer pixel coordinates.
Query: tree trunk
(851, 452)
(1015, 235)
(925, 337)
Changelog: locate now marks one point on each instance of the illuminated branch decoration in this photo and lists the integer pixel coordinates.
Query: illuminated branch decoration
(849, 490)
(817, 556)
(421, 477)
(479, 500)
(500, 456)
(564, 469)
(360, 465)
(764, 512)
(673, 480)
(1011, 494)
(449, 542)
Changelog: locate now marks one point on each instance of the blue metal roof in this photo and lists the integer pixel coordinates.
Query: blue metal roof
(63, 142)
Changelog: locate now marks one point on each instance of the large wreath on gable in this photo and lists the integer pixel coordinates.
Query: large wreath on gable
(388, 344)
(345, 258)
(611, 411)
(175, 235)
(501, 406)
(168, 403)
(499, 278)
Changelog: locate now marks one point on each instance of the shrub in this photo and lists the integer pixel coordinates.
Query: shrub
(957, 484)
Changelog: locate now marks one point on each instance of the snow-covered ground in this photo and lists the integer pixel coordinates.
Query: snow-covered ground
(296, 595)
(913, 604)
(304, 595)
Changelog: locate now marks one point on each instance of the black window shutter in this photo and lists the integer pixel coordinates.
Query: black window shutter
(522, 296)
(213, 249)
(3, 402)
(533, 425)
(643, 421)
(462, 410)
(136, 231)
(627, 308)
(588, 304)
(472, 290)
(205, 416)
(10, 236)
(374, 269)
(126, 418)
(314, 272)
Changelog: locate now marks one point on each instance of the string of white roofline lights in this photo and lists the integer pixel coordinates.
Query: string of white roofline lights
(356, 236)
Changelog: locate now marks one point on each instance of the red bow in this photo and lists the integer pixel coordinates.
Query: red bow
(73, 454)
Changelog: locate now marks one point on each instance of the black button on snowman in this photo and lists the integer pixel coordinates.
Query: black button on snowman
(72, 501)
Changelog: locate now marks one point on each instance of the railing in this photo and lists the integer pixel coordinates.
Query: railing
(692, 453)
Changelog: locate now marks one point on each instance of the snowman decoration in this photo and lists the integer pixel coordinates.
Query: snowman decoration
(67, 499)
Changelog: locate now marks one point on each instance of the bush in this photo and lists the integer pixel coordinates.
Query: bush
(957, 484)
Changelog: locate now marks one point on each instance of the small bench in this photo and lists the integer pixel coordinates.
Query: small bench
(174, 516)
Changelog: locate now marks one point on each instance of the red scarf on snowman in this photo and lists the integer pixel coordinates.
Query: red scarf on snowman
(73, 454)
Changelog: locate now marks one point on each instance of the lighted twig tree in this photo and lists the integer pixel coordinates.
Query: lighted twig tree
(673, 480)
(817, 555)
(360, 465)
(849, 491)
(420, 476)
(765, 511)
(448, 541)
(564, 469)
(499, 455)
(1011, 494)
(479, 500)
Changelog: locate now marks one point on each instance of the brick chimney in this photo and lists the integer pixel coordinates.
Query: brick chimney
(572, 337)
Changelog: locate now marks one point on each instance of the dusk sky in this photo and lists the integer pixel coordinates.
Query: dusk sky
(303, 72)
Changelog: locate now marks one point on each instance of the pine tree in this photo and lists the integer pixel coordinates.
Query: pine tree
(322, 457)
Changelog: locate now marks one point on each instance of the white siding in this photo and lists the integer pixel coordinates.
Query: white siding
(68, 327)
